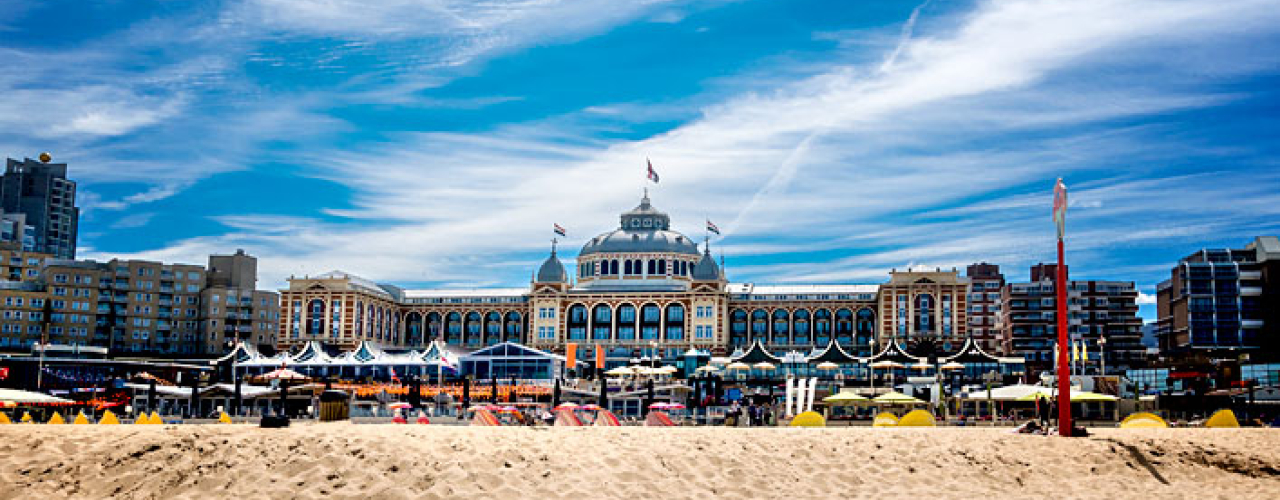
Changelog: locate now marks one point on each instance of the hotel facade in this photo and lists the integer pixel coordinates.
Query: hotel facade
(642, 289)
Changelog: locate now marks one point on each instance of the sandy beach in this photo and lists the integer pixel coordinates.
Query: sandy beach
(382, 461)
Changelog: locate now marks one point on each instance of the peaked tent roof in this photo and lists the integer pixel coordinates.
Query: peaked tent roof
(834, 354)
(970, 352)
(757, 354)
(894, 352)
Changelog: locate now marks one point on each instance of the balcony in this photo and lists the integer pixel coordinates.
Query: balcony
(1250, 291)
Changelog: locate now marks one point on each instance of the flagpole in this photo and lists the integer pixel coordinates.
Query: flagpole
(1064, 379)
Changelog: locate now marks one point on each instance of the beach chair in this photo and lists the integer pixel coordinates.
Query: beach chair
(567, 418)
(1143, 420)
(484, 418)
(606, 418)
(1222, 419)
(885, 419)
(917, 418)
(658, 419)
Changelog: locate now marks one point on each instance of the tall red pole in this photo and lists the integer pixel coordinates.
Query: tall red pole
(1064, 370)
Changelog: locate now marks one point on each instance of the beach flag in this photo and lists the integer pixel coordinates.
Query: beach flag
(653, 174)
(1060, 207)
(448, 362)
(712, 227)
(559, 230)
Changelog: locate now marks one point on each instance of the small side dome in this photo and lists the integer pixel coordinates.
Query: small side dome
(706, 269)
(552, 271)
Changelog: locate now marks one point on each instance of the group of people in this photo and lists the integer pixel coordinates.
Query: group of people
(752, 415)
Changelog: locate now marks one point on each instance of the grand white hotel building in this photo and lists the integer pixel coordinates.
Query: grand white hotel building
(640, 289)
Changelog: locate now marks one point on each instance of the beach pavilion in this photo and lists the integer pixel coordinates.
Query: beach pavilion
(368, 360)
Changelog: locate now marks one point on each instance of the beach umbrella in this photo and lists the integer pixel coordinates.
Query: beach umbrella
(886, 365)
(896, 398)
(952, 365)
(707, 369)
(666, 370)
(1078, 397)
(738, 365)
(509, 409)
(843, 398)
(566, 406)
(828, 366)
(590, 408)
(283, 374)
(399, 406)
(662, 405)
(764, 365)
(922, 366)
(1040, 394)
(620, 371)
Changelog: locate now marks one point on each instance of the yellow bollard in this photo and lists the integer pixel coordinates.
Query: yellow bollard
(224, 418)
(26, 417)
(141, 420)
(56, 419)
(80, 419)
(108, 418)
(155, 419)
(4, 419)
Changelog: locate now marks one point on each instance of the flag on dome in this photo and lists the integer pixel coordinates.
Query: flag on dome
(712, 227)
(653, 174)
(560, 231)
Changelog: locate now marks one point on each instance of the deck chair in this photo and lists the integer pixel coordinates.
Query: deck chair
(566, 418)
(485, 419)
(658, 419)
(606, 418)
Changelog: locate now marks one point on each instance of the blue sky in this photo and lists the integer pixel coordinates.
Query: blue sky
(434, 143)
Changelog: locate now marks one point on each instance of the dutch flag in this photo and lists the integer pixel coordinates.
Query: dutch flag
(712, 227)
(653, 174)
(560, 231)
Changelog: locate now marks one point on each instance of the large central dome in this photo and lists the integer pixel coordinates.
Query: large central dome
(644, 229)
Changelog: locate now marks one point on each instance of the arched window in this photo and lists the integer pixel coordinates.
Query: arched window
(844, 326)
(601, 322)
(626, 322)
(675, 322)
(577, 322)
(866, 331)
(759, 324)
(781, 327)
(800, 325)
(413, 323)
(738, 327)
(492, 328)
(473, 329)
(613, 267)
(650, 321)
(924, 314)
(626, 267)
(433, 326)
(514, 327)
(653, 267)
(453, 328)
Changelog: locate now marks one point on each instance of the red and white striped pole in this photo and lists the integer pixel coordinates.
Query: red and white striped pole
(1064, 366)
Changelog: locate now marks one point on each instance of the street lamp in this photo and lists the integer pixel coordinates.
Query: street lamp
(1102, 353)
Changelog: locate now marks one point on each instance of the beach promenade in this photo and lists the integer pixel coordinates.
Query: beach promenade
(383, 461)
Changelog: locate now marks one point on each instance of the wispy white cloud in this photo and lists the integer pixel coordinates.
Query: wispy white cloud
(883, 163)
